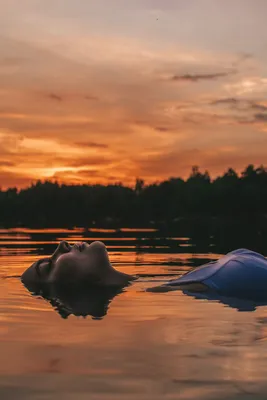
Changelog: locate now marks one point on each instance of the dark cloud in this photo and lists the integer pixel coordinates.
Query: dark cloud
(242, 104)
(260, 117)
(92, 145)
(200, 77)
(227, 101)
(161, 129)
(55, 97)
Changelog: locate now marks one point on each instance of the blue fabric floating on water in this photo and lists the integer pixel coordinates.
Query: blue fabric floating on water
(241, 273)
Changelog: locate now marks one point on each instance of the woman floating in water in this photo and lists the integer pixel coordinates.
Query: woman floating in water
(241, 273)
(75, 266)
(77, 280)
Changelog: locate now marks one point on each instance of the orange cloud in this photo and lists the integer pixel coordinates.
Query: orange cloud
(111, 113)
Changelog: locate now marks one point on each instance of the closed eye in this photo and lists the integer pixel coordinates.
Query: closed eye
(40, 262)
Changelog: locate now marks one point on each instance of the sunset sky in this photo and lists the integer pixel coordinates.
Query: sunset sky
(110, 90)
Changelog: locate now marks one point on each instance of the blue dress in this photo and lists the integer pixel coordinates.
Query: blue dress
(241, 273)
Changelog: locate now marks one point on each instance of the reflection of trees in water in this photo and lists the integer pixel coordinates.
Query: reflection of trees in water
(203, 235)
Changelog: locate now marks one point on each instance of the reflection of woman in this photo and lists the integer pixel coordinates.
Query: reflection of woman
(93, 301)
(241, 273)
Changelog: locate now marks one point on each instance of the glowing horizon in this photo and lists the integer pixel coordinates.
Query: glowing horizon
(103, 93)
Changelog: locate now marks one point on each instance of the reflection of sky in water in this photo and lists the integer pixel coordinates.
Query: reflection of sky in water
(149, 345)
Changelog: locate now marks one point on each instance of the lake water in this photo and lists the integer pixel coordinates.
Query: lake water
(146, 346)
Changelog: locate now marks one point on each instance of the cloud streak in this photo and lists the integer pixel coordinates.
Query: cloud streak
(55, 97)
(246, 106)
(92, 145)
(260, 117)
(200, 77)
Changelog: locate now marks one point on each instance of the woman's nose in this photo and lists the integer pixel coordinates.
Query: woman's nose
(63, 247)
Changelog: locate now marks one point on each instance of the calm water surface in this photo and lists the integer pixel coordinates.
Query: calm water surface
(145, 345)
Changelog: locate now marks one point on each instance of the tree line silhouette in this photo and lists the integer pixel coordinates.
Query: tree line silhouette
(50, 204)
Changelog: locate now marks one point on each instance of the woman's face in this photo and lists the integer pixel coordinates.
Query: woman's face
(68, 261)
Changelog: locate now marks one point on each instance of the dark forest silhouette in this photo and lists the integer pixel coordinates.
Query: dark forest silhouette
(50, 204)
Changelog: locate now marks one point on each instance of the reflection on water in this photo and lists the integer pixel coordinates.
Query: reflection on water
(131, 344)
(91, 301)
(241, 304)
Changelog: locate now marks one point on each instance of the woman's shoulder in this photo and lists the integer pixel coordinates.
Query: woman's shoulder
(241, 253)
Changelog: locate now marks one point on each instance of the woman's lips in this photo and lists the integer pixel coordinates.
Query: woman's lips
(80, 246)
